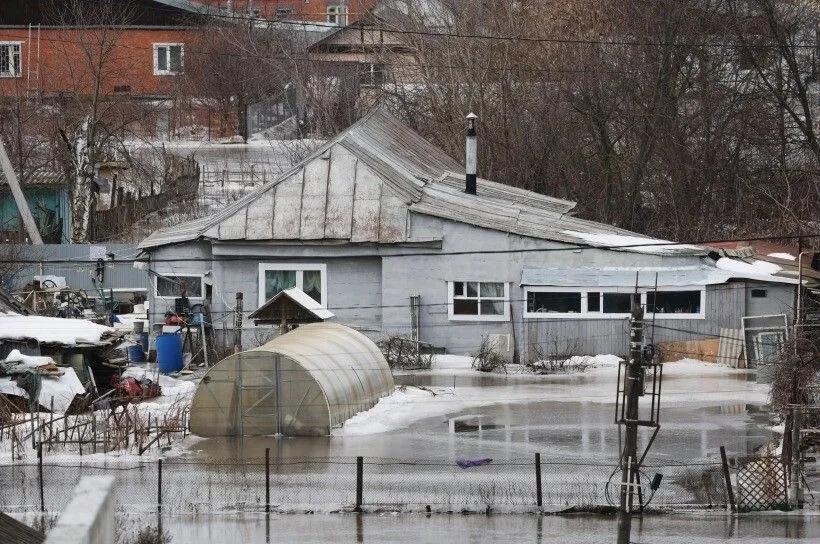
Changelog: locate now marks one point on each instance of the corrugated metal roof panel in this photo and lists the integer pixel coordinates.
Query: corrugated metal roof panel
(393, 170)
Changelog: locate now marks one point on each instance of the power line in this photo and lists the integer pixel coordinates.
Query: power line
(496, 37)
(572, 246)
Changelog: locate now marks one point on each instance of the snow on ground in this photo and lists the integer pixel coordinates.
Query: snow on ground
(408, 405)
(53, 330)
(176, 394)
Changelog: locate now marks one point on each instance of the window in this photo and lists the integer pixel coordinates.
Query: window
(310, 278)
(673, 302)
(759, 293)
(612, 303)
(337, 15)
(10, 59)
(371, 74)
(479, 301)
(285, 12)
(168, 59)
(617, 303)
(542, 302)
(171, 285)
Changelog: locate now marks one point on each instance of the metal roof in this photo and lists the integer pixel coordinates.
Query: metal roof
(40, 178)
(362, 185)
(299, 297)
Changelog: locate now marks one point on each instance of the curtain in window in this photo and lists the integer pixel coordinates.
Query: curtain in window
(278, 280)
(492, 290)
(312, 284)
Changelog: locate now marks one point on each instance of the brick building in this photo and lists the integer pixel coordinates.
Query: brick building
(338, 12)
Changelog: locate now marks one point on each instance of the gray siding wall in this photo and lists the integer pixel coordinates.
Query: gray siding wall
(78, 265)
(369, 287)
(779, 299)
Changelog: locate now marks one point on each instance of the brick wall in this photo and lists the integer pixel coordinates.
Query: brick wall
(62, 64)
(310, 10)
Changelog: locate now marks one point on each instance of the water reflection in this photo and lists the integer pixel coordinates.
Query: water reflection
(419, 528)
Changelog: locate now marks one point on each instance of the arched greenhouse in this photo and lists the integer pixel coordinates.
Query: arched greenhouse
(303, 383)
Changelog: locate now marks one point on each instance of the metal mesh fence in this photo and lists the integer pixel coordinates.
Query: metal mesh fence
(330, 484)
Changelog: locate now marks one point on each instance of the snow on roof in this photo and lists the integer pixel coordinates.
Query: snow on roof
(755, 270)
(60, 389)
(786, 256)
(299, 297)
(637, 243)
(51, 330)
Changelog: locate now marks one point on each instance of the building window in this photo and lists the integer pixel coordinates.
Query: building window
(173, 285)
(10, 59)
(617, 303)
(612, 302)
(673, 302)
(560, 302)
(285, 12)
(168, 59)
(310, 278)
(337, 15)
(479, 301)
(759, 293)
(371, 74)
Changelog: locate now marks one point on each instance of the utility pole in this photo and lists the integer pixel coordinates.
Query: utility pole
(237, 324)
(19, 197)
(633, 387)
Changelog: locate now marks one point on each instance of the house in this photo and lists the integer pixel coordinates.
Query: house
(337, 12)
(53, 51)
(48, 199)
(376, 227)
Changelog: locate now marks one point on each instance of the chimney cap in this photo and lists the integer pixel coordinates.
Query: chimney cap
(471, 116)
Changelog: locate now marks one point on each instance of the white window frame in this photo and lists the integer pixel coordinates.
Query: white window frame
(586, 314)
(168, 46)
(298, 267)
(337, 14)
(460, 317)
(177, 275)
(19, 67)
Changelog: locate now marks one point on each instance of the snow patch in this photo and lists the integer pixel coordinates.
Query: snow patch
(50, 330)
(640, 244)
(786, 256)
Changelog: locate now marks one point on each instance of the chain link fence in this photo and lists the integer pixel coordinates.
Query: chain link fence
(336, 484)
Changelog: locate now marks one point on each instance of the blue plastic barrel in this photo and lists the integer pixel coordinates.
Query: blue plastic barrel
(136, 354)
(169, 353)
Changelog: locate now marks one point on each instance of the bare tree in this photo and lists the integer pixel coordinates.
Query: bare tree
(237, 65)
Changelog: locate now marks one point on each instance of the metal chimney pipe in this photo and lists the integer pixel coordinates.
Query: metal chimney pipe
(471, 162)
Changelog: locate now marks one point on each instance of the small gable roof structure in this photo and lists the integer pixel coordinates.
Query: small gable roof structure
(362, 186)
(294, 305)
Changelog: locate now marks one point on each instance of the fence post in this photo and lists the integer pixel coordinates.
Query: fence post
(40, 476)
(538, 494)
(267, 479)
(359, 482)
(729, 491)
(159, 487)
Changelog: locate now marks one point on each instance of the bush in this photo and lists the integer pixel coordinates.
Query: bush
(405, 354)
(487, 359)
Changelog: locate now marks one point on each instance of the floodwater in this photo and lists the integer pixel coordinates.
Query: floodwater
(502, 529)
(560, 427)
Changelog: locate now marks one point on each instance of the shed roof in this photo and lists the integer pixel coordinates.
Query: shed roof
(362, 185)
(312, 308)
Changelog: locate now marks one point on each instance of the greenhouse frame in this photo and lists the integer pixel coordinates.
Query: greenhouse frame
(303, 383)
